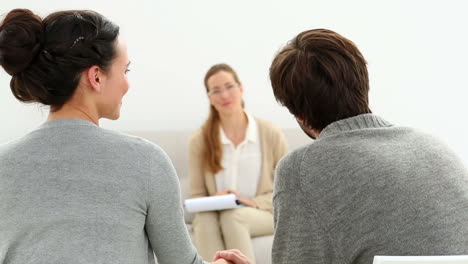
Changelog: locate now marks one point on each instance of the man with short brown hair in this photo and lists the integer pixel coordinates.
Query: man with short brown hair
(365, 187)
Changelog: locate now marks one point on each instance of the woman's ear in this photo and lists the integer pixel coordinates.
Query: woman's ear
(94, 77)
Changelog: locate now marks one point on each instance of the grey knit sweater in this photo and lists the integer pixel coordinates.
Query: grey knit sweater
(366, 188)
(72, 192)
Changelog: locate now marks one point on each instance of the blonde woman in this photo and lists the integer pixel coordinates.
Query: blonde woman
(233, 152)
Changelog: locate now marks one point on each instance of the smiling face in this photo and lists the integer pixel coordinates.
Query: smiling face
(224, 93)
(115, 83)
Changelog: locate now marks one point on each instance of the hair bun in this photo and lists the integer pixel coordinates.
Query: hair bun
(21, 37)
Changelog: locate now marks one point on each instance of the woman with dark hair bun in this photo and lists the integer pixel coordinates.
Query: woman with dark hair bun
(70, 191)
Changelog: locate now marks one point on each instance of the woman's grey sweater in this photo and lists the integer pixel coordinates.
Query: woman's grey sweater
(72, 192)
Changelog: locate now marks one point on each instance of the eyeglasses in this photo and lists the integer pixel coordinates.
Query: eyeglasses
(218, 92)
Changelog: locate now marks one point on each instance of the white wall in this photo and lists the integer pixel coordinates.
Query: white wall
(416, 50)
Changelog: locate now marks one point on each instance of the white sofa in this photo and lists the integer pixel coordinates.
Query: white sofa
(175, 144)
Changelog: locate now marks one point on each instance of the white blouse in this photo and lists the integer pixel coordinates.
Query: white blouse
(242, 164)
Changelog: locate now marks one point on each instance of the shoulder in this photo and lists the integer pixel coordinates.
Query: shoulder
(148, 160)
(267, 128)
(196, 138)
(133, 146)
(421, 141)
(123, 138)
(265, 124)
(289, 168)
(8, 147)
(293, 159)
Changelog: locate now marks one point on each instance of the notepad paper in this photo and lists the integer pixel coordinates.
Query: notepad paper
(211, 203)
(461, 259)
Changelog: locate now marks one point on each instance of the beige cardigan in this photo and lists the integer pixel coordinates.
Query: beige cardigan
(273, 146)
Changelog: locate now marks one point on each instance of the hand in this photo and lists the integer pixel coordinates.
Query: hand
(247, 201)
(227, 191)
(221, 261)
(233, 256)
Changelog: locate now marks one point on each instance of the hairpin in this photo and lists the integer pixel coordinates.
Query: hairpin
(76, 40)
(48, 55)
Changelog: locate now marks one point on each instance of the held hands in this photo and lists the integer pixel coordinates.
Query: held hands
(231, 256)
(220, 261)
(243, 200)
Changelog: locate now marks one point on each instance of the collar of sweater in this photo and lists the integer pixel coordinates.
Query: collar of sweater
(364, 121)
(61, 122)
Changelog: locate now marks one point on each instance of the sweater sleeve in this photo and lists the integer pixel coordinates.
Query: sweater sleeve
(165, 224)
(279, 149)
(282, 148)
(299, 234)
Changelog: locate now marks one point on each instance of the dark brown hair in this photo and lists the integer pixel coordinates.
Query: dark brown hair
(46, 57)
(212, 152)
(321, 77)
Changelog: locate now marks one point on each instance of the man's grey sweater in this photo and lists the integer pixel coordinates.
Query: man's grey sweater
(72, 192)
(367, 188)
